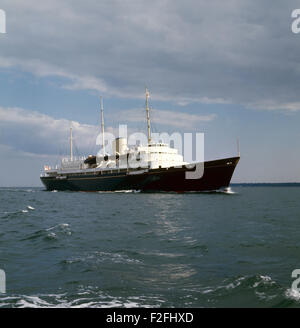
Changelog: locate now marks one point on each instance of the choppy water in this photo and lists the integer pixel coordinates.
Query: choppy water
(68, 249)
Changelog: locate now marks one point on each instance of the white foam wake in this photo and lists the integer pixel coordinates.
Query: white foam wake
(293, 294)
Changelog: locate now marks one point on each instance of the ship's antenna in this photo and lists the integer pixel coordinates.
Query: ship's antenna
(238, 146)
(148, 116)
(71, 143)
(102, 126)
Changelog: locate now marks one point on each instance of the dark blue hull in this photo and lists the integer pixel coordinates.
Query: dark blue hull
(217, 175)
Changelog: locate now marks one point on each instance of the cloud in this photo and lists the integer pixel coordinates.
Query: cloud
(240, 52)
(166, 117)
(272, 105)
(37, 134)
(34, 134)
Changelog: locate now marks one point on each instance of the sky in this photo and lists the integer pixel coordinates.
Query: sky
(228, 69)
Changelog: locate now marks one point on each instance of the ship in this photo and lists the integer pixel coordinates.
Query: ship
(154, 167)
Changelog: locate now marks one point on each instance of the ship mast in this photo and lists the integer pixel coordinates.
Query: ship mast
(102, 126)
(71, 143)
(148, 116)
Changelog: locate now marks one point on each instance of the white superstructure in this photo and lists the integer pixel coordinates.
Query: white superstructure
(153, 155)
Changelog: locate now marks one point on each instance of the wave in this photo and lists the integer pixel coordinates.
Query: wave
(97, 258)
(61, 225)
(11, 189)
(14, 214)
(7, 214)
(259, 290)
(84, 298)
(251, 282)
(256, 290)
(292, 294)
(50, 233)
(120, 192)
(226, 191)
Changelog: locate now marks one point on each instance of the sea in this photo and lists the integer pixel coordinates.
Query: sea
(127, 249)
